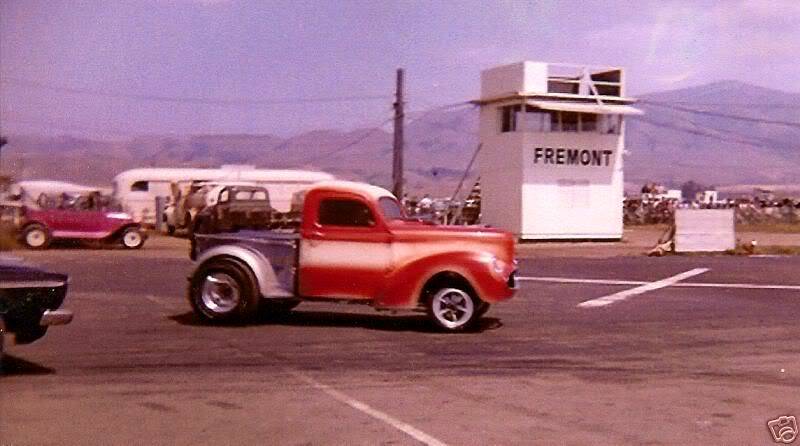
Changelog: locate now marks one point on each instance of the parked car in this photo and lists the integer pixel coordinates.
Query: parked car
(233, 208)
(184, 205)
(30, 301)
(41, 226)
(354, 244)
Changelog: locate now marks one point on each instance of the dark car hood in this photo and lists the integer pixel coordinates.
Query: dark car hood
(14, 271)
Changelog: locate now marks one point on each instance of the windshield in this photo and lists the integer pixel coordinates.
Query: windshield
(391, 209)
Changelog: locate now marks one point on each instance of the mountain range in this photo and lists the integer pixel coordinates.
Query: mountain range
(725, 134)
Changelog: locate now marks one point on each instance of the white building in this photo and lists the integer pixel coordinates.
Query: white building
(708, 197)
(552, 143)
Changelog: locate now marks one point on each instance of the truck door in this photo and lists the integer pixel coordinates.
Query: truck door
(346, 252)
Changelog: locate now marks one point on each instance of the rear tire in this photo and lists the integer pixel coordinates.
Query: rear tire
(453, 308)
(132, 238)
(224, 290)
(35, 236)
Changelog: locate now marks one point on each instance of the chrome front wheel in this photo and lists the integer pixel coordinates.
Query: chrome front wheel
(452, 308)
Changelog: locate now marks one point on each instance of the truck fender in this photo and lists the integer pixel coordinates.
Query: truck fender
(268, 284)
(404, 285)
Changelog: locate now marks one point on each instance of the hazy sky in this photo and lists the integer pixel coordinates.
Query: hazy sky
(114, 68)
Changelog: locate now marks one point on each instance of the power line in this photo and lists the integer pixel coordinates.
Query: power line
(74, 128)
(424, 114)
(722, 115)
(706, 165)
(194, 100)
(705, 133)
(725, 104)
(410, 121)
(350, 144)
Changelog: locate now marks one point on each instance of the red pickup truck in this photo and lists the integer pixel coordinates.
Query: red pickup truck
(354, 244)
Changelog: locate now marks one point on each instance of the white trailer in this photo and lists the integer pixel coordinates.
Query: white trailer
(552, 143)
(137, 189)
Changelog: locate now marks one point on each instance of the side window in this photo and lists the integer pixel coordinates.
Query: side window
(345, 212)
(224, 196)
(140, 186)
(509, 117)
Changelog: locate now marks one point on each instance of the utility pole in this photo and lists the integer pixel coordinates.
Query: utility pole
(397, 157)
(3, 141)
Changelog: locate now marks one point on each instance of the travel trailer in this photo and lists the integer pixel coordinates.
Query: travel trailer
(136, 189)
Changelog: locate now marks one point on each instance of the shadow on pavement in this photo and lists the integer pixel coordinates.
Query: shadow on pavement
(380, 322)
(13, 366)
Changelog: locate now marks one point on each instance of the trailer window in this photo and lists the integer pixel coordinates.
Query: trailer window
(224, 196)
(345, 212)
(140, 186)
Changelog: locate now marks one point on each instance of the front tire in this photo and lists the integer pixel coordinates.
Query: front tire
(35, 236)
(224, 290)
(453, 308)
(132, 238)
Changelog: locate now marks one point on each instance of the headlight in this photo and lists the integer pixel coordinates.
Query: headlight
(118, 215)
(498, 265)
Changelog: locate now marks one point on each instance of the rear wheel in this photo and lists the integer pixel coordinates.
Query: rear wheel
(35, 236)
(132, 238)
(453, 308)
(224, 290)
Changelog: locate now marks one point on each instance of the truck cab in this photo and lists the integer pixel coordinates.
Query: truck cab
(355, 244)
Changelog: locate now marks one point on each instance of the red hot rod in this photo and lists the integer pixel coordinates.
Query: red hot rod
(354, 244)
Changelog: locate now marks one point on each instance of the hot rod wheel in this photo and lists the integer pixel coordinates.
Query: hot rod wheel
(453, 309)
(132, 238)
(35, 237)
(224, 290)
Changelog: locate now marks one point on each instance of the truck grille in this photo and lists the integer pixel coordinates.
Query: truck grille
(512, 280)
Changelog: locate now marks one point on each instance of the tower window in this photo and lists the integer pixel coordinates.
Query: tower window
(508, 118)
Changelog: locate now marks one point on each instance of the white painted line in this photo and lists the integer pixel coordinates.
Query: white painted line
(569, 280)
(622, 295)
(406, 428)
(747, 286)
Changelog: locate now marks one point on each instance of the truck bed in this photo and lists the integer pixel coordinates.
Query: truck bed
(280, 248)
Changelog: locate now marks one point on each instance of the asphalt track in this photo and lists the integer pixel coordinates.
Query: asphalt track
(707, 358)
